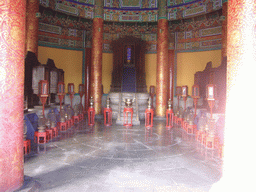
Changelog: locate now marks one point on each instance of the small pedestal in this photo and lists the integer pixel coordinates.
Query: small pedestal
(68, 124)
(91, 116)
(169, 118)
(211, 142)
(191, 128)
(184, 125)
(128, 111)
(179, 121)
(63, 126)
(41, 137)
(76, 119)
(71, 122)
(199, 136)
(81, 116)
(55, 131)
(149, 115)
(107, 116)
(50, 133)
(27, 146)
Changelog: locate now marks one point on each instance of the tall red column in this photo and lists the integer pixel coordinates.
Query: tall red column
(239, 134)
(87, 78)
(96, 67)
(32, 26)
(12, 46)
(162, 61)
(224, 30)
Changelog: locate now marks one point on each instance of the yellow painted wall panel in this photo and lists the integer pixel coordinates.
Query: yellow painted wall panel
(150, 68)
(188, 63)
(70, 61)
(107, 68)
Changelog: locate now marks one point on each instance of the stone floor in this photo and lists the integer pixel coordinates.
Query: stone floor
(121, 159)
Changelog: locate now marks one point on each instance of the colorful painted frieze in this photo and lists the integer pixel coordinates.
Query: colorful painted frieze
(192, 33)
(134, 10)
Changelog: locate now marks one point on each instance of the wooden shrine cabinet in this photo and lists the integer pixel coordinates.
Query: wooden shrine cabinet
(30, 89)
(215, 76)
(34, 72)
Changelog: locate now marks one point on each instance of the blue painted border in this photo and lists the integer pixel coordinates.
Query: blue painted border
(131, 9)
(162, 18)
(74, 94)
(135, 9)
(198, 50)
(114, 8)
(98, 16)
(77, 2)
(149, 52)
(184, 4)
(60, 47)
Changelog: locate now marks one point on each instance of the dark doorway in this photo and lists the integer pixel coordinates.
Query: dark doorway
(128, 65)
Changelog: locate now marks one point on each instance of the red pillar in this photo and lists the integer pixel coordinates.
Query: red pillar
(32, 26)
(96, 67)
(162, 73)
(224, 29)
(239, 134)
(12, 43)
(162, 68)
(88, 61)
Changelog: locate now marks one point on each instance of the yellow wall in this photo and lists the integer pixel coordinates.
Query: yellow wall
(150, 68)
(107, 67)
(69, 60)
(189, 63)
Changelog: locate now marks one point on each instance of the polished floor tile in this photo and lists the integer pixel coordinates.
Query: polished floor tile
(118, 158)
